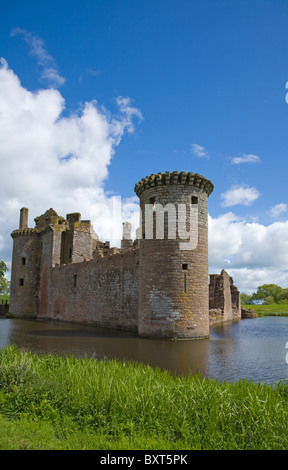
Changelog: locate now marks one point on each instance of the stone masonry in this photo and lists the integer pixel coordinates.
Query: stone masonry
(156, 285)
(224, 298)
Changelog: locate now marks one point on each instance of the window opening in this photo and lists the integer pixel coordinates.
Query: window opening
(194, 200)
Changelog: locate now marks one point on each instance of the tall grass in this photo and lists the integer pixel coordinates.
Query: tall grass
(124, 402)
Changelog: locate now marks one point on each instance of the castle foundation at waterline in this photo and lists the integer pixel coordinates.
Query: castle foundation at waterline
(157, 285)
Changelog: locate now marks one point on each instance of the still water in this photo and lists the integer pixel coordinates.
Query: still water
(254, 349)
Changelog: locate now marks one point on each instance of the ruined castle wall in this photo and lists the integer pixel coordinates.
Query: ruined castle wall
(236, 302)
(102, 291)
(224, 298)
(4, 307)
(82, 242)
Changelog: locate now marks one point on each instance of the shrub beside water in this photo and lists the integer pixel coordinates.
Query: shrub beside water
(84, 403)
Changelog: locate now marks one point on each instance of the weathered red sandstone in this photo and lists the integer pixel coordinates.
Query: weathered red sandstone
(61, 270)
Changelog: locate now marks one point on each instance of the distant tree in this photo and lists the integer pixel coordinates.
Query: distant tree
(266, 291)
(4, 283)
(284, 296)
(3, 268)
(245, 299)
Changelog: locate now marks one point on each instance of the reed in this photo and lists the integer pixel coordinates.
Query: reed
(110, 404)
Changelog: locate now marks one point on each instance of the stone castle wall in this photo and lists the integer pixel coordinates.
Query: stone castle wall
(103, 291)
(4, 307)
(61, 270)
(224, 298)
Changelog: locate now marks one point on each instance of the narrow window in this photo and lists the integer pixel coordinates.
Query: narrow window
(23, 261)
(70, 253)
(194, 200)
(185, 267)
(75, 280)
(152, 201)
(185, 284)
(21, 281)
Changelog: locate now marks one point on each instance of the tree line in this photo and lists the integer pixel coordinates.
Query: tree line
(4, 283)
(266, 294)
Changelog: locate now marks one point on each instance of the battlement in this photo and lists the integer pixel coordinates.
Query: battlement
(23, 231)
(183, 178)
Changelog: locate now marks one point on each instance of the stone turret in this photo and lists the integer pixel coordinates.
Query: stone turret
(23, 218)
(25, 268)
(173, 260)
(126, 241)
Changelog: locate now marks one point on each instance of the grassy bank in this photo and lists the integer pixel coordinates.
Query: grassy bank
(49, 402)
(271, 310)
(4, 297)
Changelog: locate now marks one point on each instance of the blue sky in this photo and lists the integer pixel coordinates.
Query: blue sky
(203, 89)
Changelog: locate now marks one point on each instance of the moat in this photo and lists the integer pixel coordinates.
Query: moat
(254, 349)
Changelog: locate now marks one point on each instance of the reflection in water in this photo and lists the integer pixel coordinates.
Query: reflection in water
(253, 349)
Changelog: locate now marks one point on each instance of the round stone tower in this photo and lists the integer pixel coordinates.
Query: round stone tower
(173, 261)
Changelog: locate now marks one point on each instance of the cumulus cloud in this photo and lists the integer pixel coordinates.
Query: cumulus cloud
(53, 161)
(279, 209)
(63, 162)
(239, 195)
(257, 253)
(245, 158)
(199, 151)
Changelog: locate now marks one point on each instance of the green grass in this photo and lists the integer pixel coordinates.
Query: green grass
(269, 310)
(4, 297)
(51, 402)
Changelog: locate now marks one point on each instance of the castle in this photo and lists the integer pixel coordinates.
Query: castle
(157, 285)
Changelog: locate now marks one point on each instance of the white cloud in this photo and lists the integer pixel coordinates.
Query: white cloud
(49, 73)
(239, 195)
(54, 161)
(199, 151)
(257, 253)
(246, 158)
(279, 209)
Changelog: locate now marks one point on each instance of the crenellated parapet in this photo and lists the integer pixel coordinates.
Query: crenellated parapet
(23, 232)
(181, 178)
